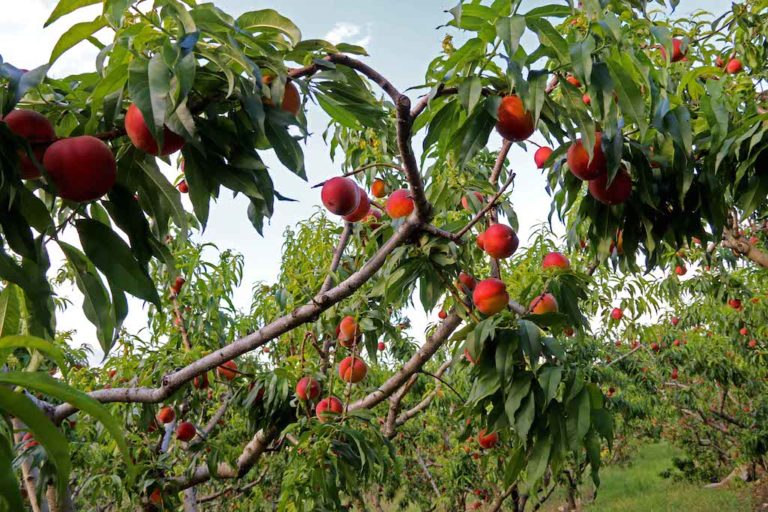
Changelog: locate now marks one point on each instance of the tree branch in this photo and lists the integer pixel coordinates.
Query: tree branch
(742, 247)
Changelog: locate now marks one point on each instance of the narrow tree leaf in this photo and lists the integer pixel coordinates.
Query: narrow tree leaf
(77, 33)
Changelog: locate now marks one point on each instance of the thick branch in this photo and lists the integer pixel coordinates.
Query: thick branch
(278, 327)
(740, 246)
(413, 365)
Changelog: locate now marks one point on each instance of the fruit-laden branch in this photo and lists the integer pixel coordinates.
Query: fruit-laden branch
(739, 245)
(306, 313)
(413, 365)
(423, 209)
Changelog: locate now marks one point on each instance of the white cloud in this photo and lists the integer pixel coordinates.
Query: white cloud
(349, 33)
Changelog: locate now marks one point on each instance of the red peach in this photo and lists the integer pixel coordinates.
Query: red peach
(82, 168)
(185, 431)
(227, 370)
(514, 122)
(138, 131)
(379, 188)
(352, 369)
(579, 163)
(340, 196)
(307, 388)
(399, 204)
(363, 207)
(500, 241)
(616, 193)
(490, 296)
(166, 415)
(544, 303)
(487, 441)
(466, 203)
(327, 408)
(733, 67)
(38, 131)
(617, 314)
(541, 156)
(555, 260)
(467, 280)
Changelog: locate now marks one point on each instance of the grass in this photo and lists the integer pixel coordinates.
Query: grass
(638, 487)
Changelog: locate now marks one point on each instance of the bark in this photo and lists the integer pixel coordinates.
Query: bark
(741, 246)
(190, 500)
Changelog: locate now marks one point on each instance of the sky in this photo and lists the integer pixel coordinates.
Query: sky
(401, 37)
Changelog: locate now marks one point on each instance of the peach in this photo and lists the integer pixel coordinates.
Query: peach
(166, 415)
(514, 122)
(185, 431)
(500, 241)
(201, 381)
(38, 131)
(675, 321)
(467, 204)
(734, 304)
(490, 296)
(381, 346)
(616, 193)
(138, 131)
(227, 370)
(617, 314)
(352, 369)
(363, 207)
(340, 195)
(733, 67)
(579, 163)
(348, 327)
(291, 99)
(543, 303)
(674, 374)
(442, 315)
(327, 408)
(719, 62)
(183, 187)
(681, 270)
(555, 259)
(480, 240)
(677, 54)
(467, 280)
(399, 204)
(487, 441)
(156, 498)
(82, 168)
(587, 99)
(307, 388)
(379, 188)
(743, 331)
(573, 81)
(541, 156)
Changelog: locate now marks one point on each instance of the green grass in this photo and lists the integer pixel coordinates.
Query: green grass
(638, 487)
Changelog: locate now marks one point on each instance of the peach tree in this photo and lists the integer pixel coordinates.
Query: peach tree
(663, 118)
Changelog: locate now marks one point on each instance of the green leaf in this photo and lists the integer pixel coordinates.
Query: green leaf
(549, 37)
(549, 380)
(539, 460)
(524, 417)
(44, 383)
(77, 33)
(515, 394)
(630, 97)
(9, 485)
(581, 56)
(286, 147)
(555, 11)
(34, 343)
(44, 432)
(510, 30)
(96, 303)
(64, 7)
(168, 194)
(268, 20)
(10, 310)
(114, 259)
(470, 91)
(579, 418)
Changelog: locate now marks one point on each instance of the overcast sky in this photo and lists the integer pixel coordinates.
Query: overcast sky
(401, 37)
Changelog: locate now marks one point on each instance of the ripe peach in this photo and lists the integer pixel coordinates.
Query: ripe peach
(514, 122)
(480, 240)
(291, 99)
(487, 441)
(465, 201)
(340, 195)
(467, 280)
(543, 303)
(156, 498)
(719, 62)
(227, 370)
(675, 321)
(555, 259)
(183, 187)
(307, 388)
(541, 156)
(617, 314)
(615, 193)
(201, 381)
(38, 131)
(442, 315)
(177, 285)
(363, 207)
(185, 431)
(579, 163)
(348, 328)
(573, 81)
(381, 346)
(399, 204)
(142, 138)
(490, 296)
(743, 331)
(82, 168)
(752, 343)
(379, 188)
(674, 374)
(586, 99)
(327, 408)
(166, 415)
(734, 66)
(352, 369)
(677, 53)
(681, 270)
(500, 241)
(676, 343)
(734, 304)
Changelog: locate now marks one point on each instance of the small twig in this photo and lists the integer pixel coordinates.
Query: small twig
(492, 203)
(444, 382)
(363, 168)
